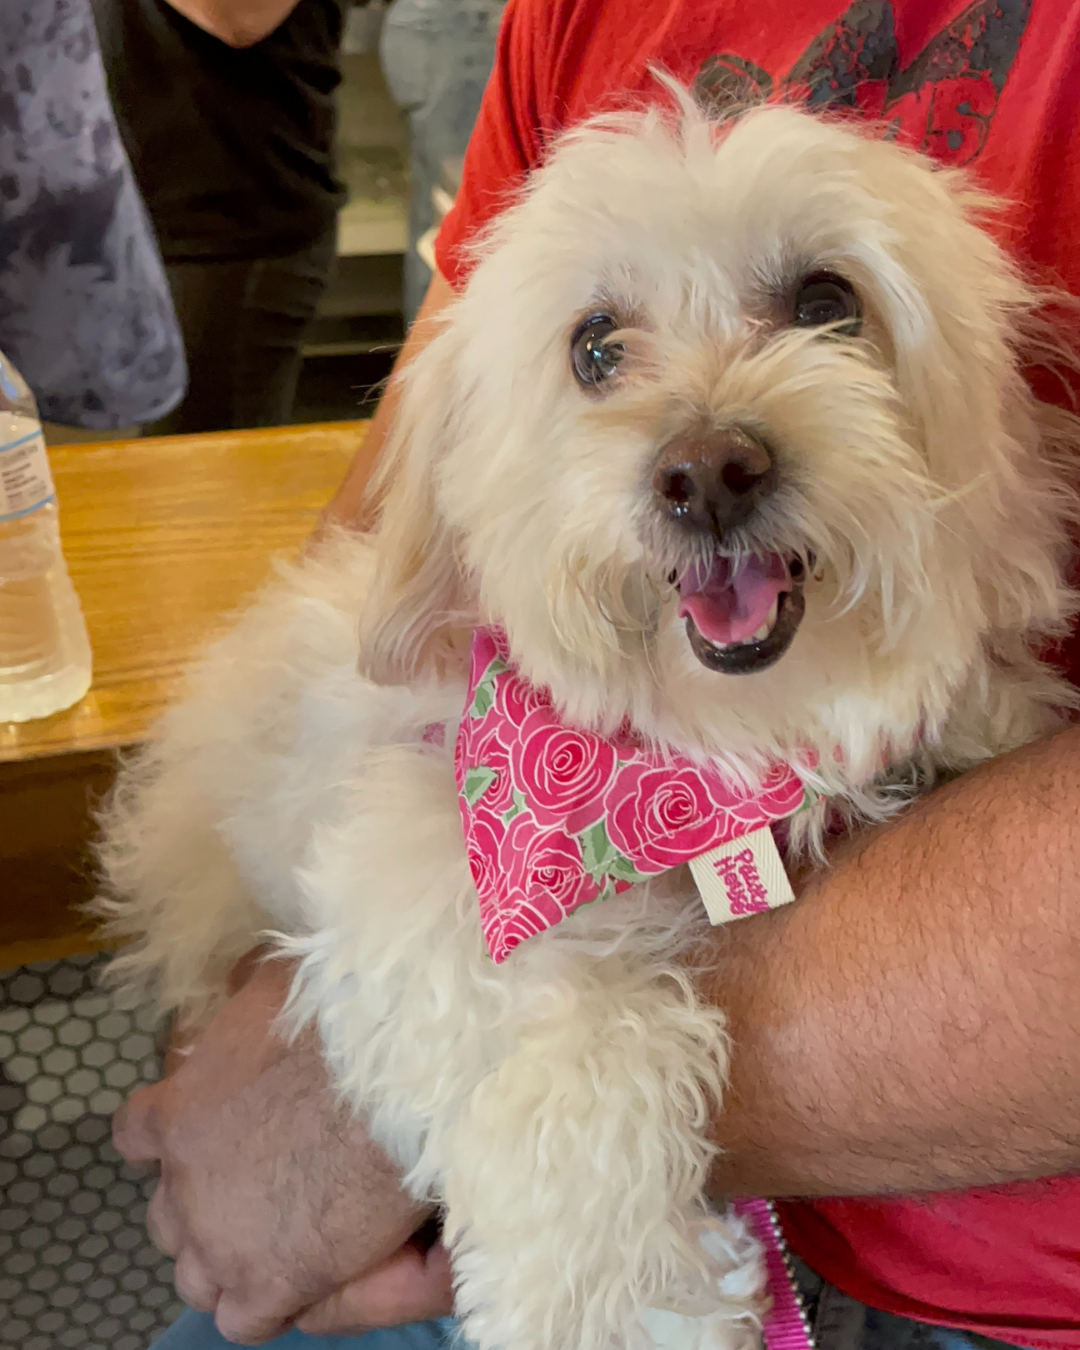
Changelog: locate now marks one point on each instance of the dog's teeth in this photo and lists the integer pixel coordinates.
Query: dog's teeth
(767, 627)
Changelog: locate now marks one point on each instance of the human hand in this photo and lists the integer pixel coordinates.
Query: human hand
(272, 1197)
(414, 1285)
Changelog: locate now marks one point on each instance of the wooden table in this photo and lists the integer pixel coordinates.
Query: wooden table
(164, 539)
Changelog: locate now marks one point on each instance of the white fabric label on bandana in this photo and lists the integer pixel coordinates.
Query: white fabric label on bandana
(746, 876)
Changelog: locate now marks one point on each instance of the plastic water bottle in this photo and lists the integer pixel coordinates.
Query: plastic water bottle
(44, 649)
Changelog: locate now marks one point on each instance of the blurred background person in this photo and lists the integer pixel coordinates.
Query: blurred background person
(436, 56)
(227, 111)
(85, 313)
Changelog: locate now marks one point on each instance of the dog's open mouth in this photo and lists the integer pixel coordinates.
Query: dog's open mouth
(741, 617)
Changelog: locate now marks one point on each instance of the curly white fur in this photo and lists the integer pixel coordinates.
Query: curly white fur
(558, 1105)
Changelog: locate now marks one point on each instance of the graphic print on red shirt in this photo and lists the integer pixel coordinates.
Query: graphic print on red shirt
(945, 97)
(993, 86)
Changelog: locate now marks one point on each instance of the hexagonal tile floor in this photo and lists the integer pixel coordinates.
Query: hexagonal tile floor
(77, 1271)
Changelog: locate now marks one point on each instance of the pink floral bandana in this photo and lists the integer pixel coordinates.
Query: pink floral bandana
(556, 818)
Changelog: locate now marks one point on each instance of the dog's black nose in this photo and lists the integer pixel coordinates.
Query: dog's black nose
(713, 482)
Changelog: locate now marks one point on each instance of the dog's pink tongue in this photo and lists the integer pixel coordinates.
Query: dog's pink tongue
(728, 605)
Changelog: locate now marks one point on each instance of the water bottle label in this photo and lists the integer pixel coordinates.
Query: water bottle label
(25, 481)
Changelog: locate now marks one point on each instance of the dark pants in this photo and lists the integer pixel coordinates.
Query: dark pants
(244, 325)
(842, 1323)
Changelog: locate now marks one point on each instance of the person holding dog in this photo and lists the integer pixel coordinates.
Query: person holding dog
(923, 1049)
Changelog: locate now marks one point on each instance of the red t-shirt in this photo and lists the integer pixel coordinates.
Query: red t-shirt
(994, 85)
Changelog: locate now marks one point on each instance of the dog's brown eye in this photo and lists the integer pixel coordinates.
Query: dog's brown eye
(593, 358)
(824, 298)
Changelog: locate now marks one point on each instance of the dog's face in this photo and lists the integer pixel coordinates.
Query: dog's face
(727, 431)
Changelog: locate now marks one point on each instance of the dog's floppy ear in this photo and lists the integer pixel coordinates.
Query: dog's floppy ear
(416, 592)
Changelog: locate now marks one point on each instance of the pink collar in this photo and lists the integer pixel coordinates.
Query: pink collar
(556, 818)
(785, 1325)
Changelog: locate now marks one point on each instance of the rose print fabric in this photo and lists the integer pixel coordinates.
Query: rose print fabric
(556, 818)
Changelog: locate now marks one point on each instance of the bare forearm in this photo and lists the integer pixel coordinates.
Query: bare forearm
(913, 1023)
(240, 23)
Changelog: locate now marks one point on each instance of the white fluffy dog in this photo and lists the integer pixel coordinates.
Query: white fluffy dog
(728, 436)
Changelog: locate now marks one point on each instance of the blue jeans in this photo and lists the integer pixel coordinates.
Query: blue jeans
(838, 1322)
(436, 56)
(196, 1331)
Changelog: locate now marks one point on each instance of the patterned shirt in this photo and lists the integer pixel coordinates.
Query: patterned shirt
(85, 312)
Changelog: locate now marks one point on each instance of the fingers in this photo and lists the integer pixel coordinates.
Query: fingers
(412, 1286)
(136, 1132)
(245, 1320)
(335, 1316)
(267, 1313)
(243, 1314)
(243, 1327)
(193, 1284)
(163, 1222)
(165, 1225)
